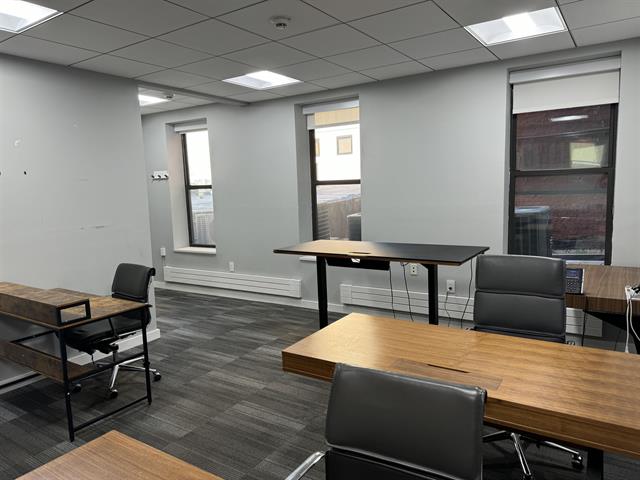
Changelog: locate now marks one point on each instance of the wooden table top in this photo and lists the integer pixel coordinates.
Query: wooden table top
(38, 306)
(400, 252)
(117, 456)
(579, 395)
(604, 289)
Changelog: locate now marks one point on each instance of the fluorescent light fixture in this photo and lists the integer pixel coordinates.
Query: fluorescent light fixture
(568, 118)
(17, 16)
(518, 27)
(146, 100)
(262, 80)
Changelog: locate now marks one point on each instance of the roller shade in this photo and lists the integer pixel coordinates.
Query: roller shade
(335, 113)
(567, 86)
(190, 126)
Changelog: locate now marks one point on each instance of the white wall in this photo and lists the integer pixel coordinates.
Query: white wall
(82, 206)
(434, 169)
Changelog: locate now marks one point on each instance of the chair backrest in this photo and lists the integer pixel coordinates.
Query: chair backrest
(520, 295)
(131, 282)
(385, 425)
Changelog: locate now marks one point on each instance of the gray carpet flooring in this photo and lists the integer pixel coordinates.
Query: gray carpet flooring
(223, 403)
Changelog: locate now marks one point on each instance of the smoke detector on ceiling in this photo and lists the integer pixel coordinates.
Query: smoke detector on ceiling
(280, 22)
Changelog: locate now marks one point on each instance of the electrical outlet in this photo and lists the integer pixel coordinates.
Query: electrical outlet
(451, 286)
(163, 252)
(232, 266)
(413, 269)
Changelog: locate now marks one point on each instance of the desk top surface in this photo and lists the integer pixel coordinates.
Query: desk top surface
(101, 307)
(604, 288)
(581, 395)
(410, 252)
(115, 455)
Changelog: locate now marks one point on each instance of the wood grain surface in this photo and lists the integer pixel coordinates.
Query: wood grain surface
(38, 306)
(115, 456)
(604, 289)
(42, 362)
(579, 395)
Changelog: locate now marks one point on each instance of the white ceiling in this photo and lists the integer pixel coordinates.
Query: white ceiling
(193, 44)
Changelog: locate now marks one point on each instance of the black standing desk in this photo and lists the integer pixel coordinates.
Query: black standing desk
(368, 254)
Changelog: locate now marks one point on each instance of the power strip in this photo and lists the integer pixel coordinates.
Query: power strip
(630, 293)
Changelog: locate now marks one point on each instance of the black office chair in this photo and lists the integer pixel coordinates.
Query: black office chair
(130, 282)
(522, 296)
(384, 426)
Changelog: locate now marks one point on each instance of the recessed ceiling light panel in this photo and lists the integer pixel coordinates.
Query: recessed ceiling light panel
(146, 100)
(518, 27)
(262, 80)
(17, 16)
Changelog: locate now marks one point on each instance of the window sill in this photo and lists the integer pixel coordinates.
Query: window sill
(197, 250)
(307, 258)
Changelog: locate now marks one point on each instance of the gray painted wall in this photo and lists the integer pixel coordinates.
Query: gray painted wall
(434, 169)
(82, 206)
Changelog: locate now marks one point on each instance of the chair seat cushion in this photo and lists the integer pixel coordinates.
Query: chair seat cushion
(99, 335)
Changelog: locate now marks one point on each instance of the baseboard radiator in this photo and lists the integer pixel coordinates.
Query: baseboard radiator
(455, 306)
(286, 287)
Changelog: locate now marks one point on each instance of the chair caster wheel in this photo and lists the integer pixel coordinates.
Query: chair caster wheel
(76, 388)
(157, 377)
(576, 462)
(113, 393)
(527, 477)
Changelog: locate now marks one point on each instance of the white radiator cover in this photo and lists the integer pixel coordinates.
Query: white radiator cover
(286, 287)
(455, 306)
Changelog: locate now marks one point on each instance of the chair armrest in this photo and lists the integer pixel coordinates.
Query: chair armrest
(305, 466)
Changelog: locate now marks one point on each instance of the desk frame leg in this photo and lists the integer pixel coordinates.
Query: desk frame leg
(65, 383)
(145, 349)
(321, 273)
(432, 291)
(595, 464)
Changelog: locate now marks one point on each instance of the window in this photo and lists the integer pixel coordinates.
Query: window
(199, 192)
(334, 137)
(561, 190)
(345, 145)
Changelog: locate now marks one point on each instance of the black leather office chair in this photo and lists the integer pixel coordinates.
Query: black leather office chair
(384, 426)
(130, 282)
(522, 296)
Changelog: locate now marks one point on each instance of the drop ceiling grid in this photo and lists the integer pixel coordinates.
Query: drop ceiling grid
(382, 49)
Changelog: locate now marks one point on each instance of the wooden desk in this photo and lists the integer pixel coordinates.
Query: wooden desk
(372, 253)
(584, 396)
(604, 296)
(59, 310)
(117, 456)
(604, 289)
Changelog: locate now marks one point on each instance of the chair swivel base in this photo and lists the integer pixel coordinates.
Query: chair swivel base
(576, 458)
(126, 366)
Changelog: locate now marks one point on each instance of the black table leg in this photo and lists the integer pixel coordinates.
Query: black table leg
(65, 383)
(145, 349)
(595, 464)
(323, 313)
(432, 285)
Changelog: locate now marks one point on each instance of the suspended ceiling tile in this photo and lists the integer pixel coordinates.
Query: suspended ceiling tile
(256, 18)
(412, 21)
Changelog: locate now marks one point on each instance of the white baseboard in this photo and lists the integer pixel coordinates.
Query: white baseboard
(254, 297)
(374, 300)
(80, 358)
(452, 306)
(280, 286)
